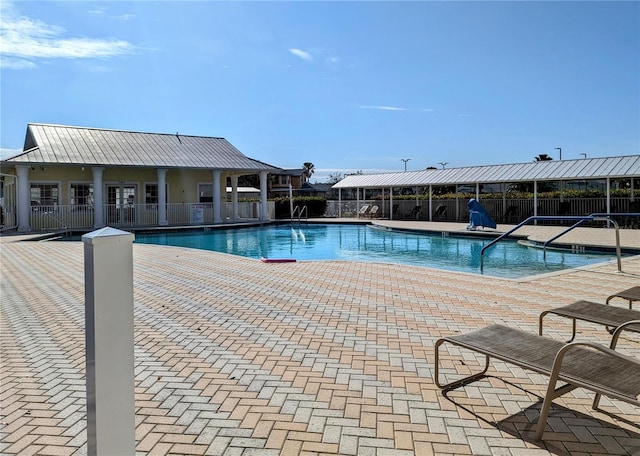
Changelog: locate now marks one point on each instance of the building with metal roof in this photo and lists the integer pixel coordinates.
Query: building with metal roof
(125, 178)
(537, 171)
(603, 173)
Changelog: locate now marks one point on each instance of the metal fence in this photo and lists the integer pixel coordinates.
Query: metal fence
(510, 210)
(81, 217)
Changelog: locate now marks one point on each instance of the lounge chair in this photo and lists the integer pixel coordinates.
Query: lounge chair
(373, 211)
(441, 212)
(630, 294)
(579, 364)
(415, 213)
(603, 314)
(363, 210)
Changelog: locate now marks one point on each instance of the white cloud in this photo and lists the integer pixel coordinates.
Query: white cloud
(125, 17)
(23, 39)
(15, 64)
(102, 11)
(384, 108)
(394, 108)
(99, 11)
(8, 153)
(302, 54)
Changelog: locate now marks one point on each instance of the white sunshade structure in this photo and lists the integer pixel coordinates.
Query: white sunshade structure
(605, 168)
(582, 169)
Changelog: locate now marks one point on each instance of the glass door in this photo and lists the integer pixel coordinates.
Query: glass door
(121, 204)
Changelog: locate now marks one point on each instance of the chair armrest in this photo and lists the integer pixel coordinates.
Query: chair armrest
(606, 350)
(618, 331)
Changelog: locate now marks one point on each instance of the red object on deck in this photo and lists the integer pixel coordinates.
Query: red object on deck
(277, 260)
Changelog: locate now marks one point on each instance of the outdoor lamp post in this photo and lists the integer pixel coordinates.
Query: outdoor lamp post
(443, 164)
(559, 149)
(405, 160)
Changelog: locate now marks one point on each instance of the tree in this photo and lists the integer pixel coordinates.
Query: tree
(308, 169)
(334, 178)
(248, 180)
(543, 157)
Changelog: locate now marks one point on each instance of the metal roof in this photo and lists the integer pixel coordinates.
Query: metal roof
(586, 168)
(60, 144)
(291, 172)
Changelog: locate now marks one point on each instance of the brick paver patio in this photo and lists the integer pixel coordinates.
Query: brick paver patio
(238, 357)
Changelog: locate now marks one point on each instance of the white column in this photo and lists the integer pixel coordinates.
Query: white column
(291, 201)
(457, 203)
(162, 197)
(264, 213)
(24, 198)
(217, 214)
(110, 383)
(504, 198)
(339, 202)
(608, 195)
(477, 191)
(430, 203)
(535, 199)
(234, 197)
(390, 203)
(98, 200)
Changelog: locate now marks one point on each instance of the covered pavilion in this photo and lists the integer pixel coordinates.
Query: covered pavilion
(607, 173)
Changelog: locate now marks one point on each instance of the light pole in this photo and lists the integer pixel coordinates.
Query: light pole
(443, 164)
(405, 160)
(583, 155)
(560, 150)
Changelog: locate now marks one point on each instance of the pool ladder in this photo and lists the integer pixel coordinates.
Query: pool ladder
(579, 220)
(299, 212)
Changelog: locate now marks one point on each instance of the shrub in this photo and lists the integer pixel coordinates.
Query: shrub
(316, 206)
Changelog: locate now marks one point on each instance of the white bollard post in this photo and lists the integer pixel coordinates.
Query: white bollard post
(108, 277)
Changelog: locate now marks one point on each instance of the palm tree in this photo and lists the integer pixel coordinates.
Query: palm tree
(308, 169)
(543, 157)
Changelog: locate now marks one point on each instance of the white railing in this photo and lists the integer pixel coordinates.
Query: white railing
(61, 217)
(509, 210)
(8, 218)
(81, 217)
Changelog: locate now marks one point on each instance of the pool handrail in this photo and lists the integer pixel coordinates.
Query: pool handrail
(579, 218)
(595, 217)
(300, 211)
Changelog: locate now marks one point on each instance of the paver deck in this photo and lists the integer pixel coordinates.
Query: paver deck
(237, 357)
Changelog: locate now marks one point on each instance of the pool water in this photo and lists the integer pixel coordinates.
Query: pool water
(368, 244)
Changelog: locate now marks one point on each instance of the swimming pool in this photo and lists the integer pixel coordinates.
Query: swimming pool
(366, 243)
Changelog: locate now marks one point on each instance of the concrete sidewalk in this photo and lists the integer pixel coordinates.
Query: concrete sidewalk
(238, 357)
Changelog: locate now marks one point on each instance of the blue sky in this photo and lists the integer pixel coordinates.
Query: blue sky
(348, 86)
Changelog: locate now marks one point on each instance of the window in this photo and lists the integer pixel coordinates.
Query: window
(151, 195)
(44, 194)
(205, 193)
(81, 195)
(284, 180)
